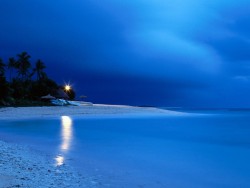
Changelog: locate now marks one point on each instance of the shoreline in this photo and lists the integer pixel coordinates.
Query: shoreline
(95, 111)
(22, 167)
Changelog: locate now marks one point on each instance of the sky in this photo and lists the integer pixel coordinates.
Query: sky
(193, 53)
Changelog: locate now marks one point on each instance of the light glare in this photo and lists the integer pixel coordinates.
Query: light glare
(67, 87)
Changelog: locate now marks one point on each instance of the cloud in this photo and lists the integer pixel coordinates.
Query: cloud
(196, 44)
(158, 42)
(179, 53)
(242, 78)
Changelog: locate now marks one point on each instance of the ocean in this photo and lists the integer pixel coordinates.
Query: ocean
(204, 149)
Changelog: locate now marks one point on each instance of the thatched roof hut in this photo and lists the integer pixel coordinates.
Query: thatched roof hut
(47, 97)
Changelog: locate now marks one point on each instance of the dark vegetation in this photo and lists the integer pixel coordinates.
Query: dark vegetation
(23, 84)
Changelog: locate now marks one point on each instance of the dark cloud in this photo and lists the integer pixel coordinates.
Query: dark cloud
(136, 52)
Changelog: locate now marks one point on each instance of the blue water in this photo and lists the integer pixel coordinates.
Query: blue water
(195, 151)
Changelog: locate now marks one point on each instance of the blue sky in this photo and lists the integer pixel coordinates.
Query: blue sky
(161, 52)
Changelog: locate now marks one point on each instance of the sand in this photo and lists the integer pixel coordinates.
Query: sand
(22, 167)
(11, 113)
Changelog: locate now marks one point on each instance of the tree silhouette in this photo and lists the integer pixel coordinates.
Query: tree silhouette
(11, 65)
(4, 86)
(39, 70)
(2, 70)
(21, 88)
(23, 65)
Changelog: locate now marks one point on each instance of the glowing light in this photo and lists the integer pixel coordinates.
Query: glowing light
(66, 132)
(67, 87)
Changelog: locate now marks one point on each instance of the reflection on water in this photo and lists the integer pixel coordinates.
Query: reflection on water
(59, 160)
(66, 133)
(66, 137)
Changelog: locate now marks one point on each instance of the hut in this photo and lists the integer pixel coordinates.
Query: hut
(47, 98)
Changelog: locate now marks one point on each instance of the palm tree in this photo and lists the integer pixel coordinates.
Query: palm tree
(11, 64)
(23, 65)
(4, 88)
(2, 70)
(40, 66)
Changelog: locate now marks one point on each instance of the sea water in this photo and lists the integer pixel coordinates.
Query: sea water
(204, 149)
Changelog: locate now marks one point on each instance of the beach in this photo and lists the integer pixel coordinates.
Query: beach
(22, 167)
(17, 113)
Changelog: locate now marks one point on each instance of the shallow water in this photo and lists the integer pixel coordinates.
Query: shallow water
(196, 151)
